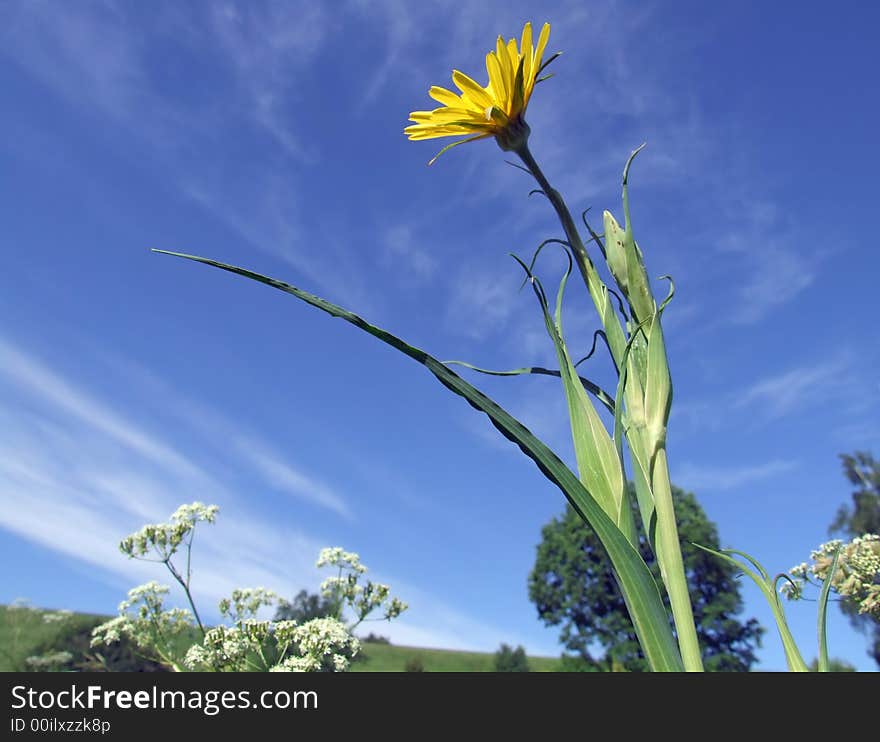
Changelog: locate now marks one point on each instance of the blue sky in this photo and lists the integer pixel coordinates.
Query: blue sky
(270, 135)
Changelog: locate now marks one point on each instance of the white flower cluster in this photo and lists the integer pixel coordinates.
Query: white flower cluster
(57, 616)
(335, 556)
(223, 648)
(856, 577)
(49, 662)
(245, 603)
(143, 619)
(322, 644)
(21, 609)
(244, 642)
(165, 538)
(345, 587)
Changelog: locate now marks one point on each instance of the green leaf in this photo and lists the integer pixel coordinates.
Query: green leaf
(592, 388)
(547, 62)
(624, 256)
(639, 589)
(445, 149)
(658, 387)
(762, 580)
(598, 465)
(823, 614)
(640, 474)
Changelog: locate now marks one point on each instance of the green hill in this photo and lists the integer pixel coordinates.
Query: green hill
(392, 658)
(23, 634)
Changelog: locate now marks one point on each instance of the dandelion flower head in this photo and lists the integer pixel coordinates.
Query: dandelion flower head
(495, 110)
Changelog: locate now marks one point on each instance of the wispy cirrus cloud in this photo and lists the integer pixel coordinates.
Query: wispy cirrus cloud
(772, 265)
(402, 249)
(781, 394)
(775, 396)
(67, 405)
(482, 301)
(721, 478)
(77, 474)
(96, 58)
(278, 473)
(31, 375)
(260, 457)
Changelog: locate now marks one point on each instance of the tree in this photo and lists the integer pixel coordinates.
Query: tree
(572, 586)
(863, 516)
(508, 659)
(834, 665)
(856, 519)
(305, 607)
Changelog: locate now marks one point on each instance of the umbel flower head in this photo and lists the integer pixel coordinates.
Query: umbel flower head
(496, 110)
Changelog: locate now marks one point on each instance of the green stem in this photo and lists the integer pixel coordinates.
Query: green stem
(599, 293)
(669, 550)
(672, 566)
(185, 585)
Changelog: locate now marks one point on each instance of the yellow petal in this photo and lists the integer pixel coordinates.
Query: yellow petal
(484, 111)
(513, 55)
(471, 90)
(542, 44)
(430, 131)
(443, 115)
(444, 96)
(504, 63)
(496, 78)
(433, 132)
(526, 50)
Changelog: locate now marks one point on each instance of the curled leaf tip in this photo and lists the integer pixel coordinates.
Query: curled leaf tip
(671, 292)
(631, 158)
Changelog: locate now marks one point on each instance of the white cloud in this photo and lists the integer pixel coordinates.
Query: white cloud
(482, 301)
(285, 477)
(265, 463)
(403, 250)
(268, 44)
(96, 58)
(76, 477)
(713, 479)
(778, 395)
(33, 376)
(85, 55)
(776, 276)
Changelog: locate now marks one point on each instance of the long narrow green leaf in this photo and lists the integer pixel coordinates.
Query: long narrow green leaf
(823, 614)
(594, 389)
(644, 496)
(792, 653)
(637, 585)
(600, 470)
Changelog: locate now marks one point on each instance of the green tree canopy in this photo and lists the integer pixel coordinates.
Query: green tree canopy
(857, 518)
(508, 659)
(304, 607)
(863, 514)
(572, 586)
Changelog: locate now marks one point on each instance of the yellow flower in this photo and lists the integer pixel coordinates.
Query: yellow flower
(495, 110)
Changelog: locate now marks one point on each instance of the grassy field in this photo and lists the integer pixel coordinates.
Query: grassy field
(24, 634)
(391, 658)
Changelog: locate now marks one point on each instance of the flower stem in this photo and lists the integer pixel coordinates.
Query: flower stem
(672, 565)
(185, 585)
(599, 293)
(669, 557)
